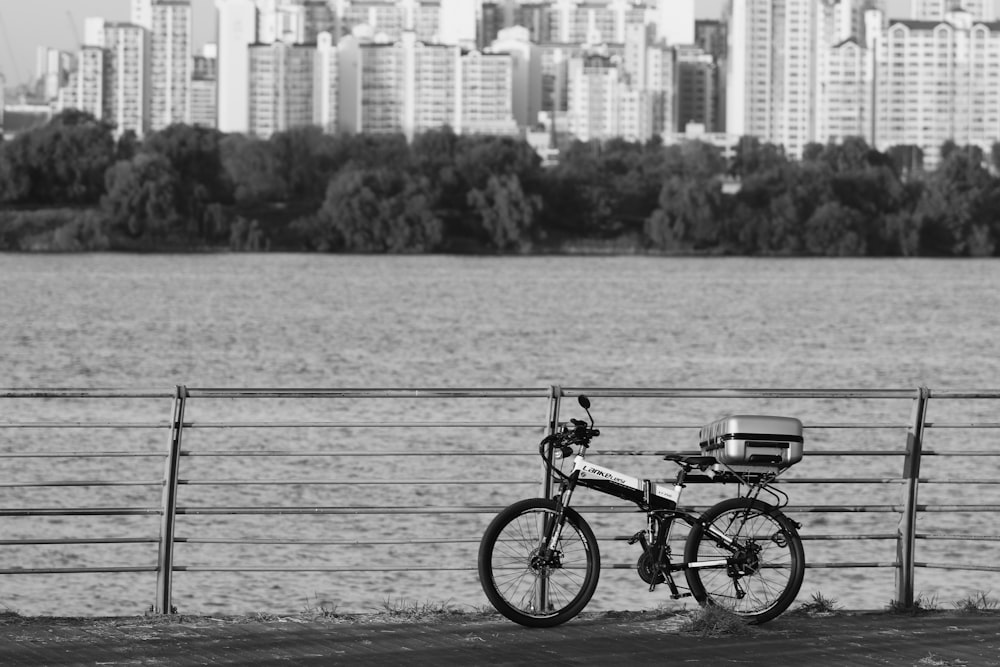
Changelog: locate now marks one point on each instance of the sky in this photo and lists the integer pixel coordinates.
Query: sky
(27, 24)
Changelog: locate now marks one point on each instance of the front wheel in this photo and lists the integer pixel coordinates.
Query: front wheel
(528, 583)
(764, 560)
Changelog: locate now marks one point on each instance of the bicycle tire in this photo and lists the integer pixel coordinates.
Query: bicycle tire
(770, 575)
(515, 583)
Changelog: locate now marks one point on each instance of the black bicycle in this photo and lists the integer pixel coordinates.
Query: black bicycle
(539, 562)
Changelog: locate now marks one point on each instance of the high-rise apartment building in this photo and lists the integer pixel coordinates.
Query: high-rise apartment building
(237, 30)
(141, 13)
(526, 74)
(935, 10)
(486, 94)
(204, 88)
(326, 83)
(126, 94)
(170, 63)
(431, 76)
(52, 69)
(595, 84)
(936, 81)
(410, 86)
(281, 87)
(650, 65)
(85, 90)
(371, 87)
(771, 75)
(844, 107)
(603, 102)
(293, 21)
(388, 19)
(110, 80)
(696, 77)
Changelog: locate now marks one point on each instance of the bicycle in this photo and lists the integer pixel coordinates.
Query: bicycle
(539, 561)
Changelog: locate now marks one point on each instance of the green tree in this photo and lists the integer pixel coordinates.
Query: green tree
(196, 158)
(688, 215)
(379, 210)
(505, 212)
(142, 199)
(954, 215)
(62, 162)
(908, 160)
(253, 169)
(835, 230)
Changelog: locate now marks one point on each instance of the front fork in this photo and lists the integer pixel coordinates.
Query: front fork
(553, 532)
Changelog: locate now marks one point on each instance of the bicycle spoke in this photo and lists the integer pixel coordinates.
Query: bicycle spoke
(764, 568)
(530, 582)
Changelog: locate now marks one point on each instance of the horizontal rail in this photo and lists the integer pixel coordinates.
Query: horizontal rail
(79, 570)
(81, 511)
(208, 425)
(82, 540)
(18, 485)
(953, 566)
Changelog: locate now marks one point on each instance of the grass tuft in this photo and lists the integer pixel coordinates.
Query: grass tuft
(818, 606)
(978, 603)
(714, 621)
(320, 609)
(921, 605)
(402, 609)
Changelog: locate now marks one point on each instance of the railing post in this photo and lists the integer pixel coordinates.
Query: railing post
(906, 541)
(168, 507)
(555, 398)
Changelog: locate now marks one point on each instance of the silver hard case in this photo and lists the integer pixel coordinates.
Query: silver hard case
(753, 443)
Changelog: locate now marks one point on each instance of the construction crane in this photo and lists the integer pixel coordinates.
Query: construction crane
(10, 50)
(74, 29)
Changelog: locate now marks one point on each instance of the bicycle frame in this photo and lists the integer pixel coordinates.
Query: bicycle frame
(658, 501)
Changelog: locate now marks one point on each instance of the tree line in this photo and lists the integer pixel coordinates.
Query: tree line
(70, 185)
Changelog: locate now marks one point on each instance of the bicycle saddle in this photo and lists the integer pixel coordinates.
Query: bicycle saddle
(693, 461)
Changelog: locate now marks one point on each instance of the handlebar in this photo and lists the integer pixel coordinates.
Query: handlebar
(575, 434)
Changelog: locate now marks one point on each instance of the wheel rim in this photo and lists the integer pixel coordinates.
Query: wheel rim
(763, 567)
(533, 585)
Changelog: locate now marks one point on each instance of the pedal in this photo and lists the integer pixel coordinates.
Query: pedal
(678, 596)
(635, 538)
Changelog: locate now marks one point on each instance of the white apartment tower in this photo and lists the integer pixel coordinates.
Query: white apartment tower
(126, 86)
(485, 99)
(936, 10)
(771, 80)
(843, 74)
(430, 85)
(237, 30)
(141, 13)
(281, 87)
(293, 21)
(594, 86)
(936, 82)
(326, 83)
(526, 74)
(85, 90)
(171, 63)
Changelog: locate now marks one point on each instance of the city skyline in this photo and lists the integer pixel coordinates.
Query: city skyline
(59, 24)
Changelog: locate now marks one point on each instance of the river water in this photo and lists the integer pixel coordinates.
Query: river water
(301, 321)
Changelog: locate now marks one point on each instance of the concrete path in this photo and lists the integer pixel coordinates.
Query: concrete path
(845, 638)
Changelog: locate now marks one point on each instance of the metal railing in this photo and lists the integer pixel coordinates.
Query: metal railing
(529, 412)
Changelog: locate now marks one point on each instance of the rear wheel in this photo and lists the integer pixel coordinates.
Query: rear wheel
(529, 584)
(765, 560)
